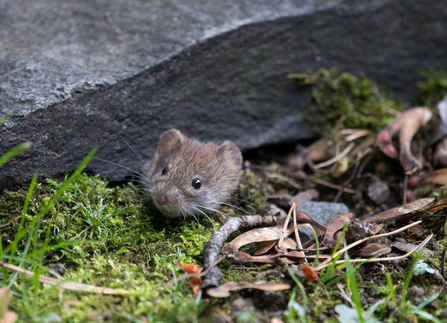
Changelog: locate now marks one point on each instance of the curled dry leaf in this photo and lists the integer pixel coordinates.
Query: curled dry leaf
(226, 289)
(373, 250)
(309, 273)
(439, 137)
(399, 210)
(438, 176)
(407, 124)
(317, 151)
(265, 246)
(335, 225)
(194, 283)
(256, 235)
(305, 196)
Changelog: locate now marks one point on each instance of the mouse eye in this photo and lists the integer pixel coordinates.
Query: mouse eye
(164, 171)
(196, 183)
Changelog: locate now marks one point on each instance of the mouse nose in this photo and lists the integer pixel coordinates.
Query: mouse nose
(162, 199)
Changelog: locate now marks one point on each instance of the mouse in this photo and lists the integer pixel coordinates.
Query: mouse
(189, 178)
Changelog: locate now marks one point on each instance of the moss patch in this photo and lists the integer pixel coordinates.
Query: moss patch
(336, 95)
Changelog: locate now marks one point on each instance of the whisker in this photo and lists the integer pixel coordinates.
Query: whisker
(194, 216)
(212, 209)
(135, 152)
(234, 207)
(106, 161)
(203, 214)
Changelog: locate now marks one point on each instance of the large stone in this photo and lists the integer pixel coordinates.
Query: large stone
(78, 70)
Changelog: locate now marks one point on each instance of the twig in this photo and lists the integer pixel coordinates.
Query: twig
(66, 285)
(321, 182)
(213, 247)
(423, 243)
(349, 180)
(404, 198)
(336, 158)
(367, 160)
(356, 243)
(286, 224)
(297, 236)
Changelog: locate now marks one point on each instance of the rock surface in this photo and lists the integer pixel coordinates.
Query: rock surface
(78, 70)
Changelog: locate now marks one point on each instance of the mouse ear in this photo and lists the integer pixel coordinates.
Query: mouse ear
(171, 140)
(230, 151)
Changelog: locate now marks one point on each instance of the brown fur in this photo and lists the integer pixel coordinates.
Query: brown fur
(217, 167)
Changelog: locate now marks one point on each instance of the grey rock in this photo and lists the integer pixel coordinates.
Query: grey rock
(321, 212)
(378, 192)
(78, 70)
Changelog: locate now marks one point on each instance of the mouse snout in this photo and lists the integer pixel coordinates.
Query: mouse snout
(162, 198)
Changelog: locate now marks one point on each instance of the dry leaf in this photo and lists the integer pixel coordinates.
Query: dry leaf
(196, 282)
(439, 137)
(305, 196)
(264, 246)
(256, 235)
(407, 124)
(226, 289)
(374, 250)
(335, 225)
(289, 244)
(399, 210)
(309, 273)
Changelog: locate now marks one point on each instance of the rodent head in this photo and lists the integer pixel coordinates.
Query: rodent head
(188, 177)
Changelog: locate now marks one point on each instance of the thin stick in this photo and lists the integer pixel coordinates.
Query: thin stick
(286, 224)
(297, 236)
(336, 158)
(423, 243)
(324, 263)
(349, 180)
(404, 198)
(66, 285)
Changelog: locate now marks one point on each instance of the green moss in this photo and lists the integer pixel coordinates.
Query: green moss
(336, 96)
(433, 88)
(106, 226)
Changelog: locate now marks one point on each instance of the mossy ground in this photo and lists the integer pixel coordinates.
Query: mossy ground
(110, 237)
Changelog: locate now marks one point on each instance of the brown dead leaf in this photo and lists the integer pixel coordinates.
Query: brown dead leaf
(374, 250)
(226, 289)
(289, 244)
(305, 196)
(256, 235)
(439, 137)
(5, 298)
(335, 225)
(302, 218)
(264, 246)
(318, 151)
(400, 210)
(407, 124)
(438, 176)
